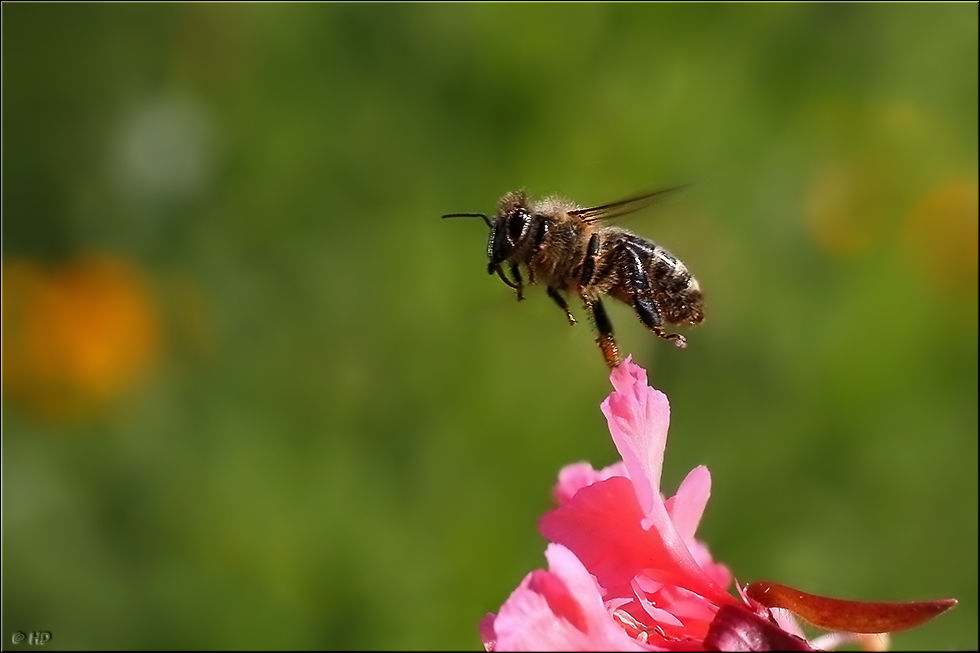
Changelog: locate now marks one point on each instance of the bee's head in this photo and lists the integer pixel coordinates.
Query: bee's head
(508, 229)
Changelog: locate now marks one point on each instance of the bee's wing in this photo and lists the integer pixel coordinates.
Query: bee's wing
(622, 207)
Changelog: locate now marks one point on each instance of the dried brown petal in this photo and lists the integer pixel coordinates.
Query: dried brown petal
(847, 616)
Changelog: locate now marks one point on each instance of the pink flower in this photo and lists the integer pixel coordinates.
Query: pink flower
(626, 572)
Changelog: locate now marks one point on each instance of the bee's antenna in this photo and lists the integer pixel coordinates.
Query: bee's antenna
(469, 215)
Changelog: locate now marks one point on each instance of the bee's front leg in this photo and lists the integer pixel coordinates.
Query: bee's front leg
(518, 286)
(516, 272)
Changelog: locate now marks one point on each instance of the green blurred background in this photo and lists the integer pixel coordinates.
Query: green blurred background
(258, 395)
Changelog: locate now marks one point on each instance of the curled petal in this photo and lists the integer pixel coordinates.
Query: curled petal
(847, 616)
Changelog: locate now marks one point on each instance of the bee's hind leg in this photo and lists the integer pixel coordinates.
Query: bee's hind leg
(605, 340)
(646, 309)
(555, 295)
(643, 302)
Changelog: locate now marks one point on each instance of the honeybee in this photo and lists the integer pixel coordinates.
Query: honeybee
(572, 251)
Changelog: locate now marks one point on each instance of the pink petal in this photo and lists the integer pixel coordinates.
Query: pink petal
(659, 615)
(686, 605)
(601, 524)
(559, 609)
(638, 418)
(573, 478)
(487, 633)
(687, 506)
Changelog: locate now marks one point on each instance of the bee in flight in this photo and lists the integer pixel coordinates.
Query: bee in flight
(573, 251)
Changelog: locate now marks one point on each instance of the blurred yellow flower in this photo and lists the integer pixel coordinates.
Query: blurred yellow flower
(76, 336)
(941, 235)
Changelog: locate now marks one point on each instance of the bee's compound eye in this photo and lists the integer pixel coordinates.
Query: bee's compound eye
(517, 225)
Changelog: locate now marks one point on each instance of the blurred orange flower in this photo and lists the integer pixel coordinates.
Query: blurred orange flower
(76, 336)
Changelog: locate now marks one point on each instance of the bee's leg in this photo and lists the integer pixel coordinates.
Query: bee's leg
(643, 302)
(516, 273)
(555, 295)
(519, 286)
(537, 246)
(606, 342)
(646, 308)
